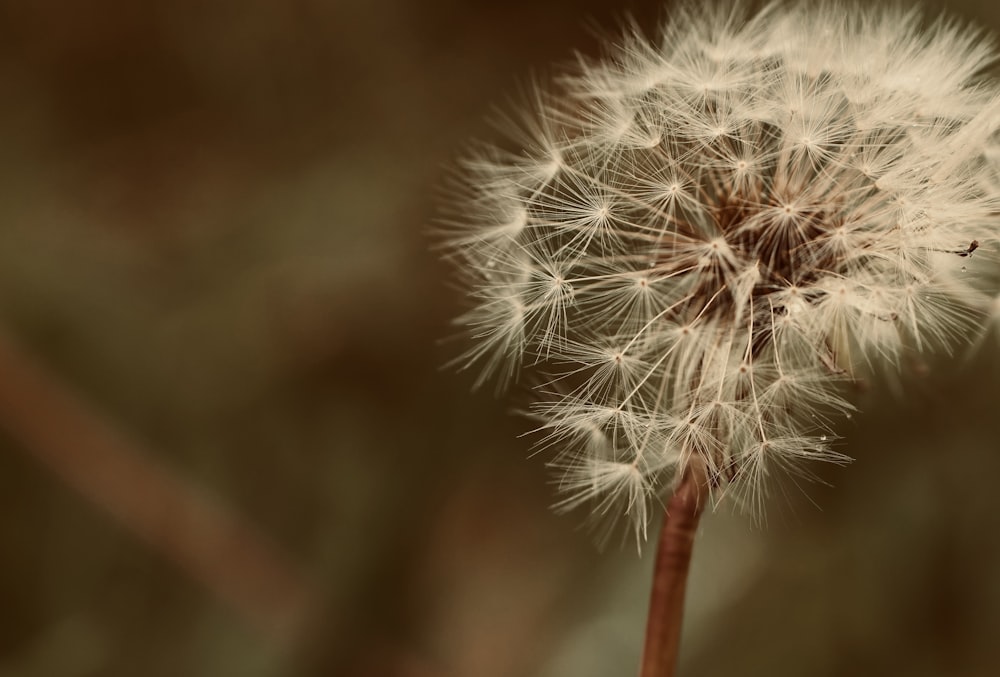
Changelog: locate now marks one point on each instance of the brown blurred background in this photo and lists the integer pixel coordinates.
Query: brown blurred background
(227, 444)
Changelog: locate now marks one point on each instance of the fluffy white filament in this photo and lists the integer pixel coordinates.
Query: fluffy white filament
(698, 239)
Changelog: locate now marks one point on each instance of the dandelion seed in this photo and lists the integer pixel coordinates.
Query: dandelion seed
(700, 238)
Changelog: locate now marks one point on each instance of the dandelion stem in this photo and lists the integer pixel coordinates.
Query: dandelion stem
(673, 559)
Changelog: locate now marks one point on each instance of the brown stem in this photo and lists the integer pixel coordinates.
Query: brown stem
(673, 559)
(185, 524)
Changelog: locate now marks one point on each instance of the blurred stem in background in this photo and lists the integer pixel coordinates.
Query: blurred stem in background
(180, 521)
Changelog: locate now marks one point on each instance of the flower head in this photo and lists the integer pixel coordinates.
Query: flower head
(698, 239)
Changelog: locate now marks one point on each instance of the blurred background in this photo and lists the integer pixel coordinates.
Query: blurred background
(227, 446)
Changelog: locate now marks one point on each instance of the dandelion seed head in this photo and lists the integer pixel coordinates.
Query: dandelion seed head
(698, 238)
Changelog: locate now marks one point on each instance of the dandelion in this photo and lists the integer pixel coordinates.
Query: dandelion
(700, 238)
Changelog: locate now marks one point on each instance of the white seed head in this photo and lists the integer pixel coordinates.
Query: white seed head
(698, 239)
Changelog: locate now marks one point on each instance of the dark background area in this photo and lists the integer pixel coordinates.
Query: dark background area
(213, 220)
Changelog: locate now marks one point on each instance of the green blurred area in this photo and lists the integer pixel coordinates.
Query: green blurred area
(213, 223)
